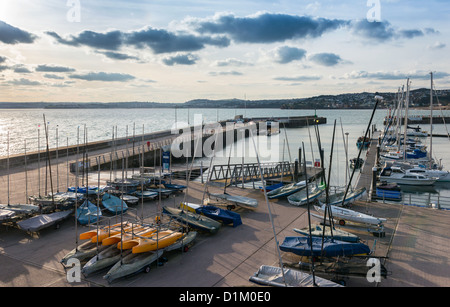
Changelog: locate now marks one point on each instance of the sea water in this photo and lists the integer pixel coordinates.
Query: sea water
(22, 129)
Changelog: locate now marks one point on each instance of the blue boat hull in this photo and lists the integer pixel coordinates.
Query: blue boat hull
(331, 248)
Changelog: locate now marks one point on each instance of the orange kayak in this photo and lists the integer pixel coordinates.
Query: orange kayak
(156, 241)
(126, 232)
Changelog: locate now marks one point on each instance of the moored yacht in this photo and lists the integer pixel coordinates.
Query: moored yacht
(399, 176)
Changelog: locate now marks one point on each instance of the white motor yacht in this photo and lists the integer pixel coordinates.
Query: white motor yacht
(399, 176)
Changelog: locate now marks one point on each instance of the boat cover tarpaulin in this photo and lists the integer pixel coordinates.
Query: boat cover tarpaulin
(218, 214)
(331, 248)
(42, 221)
(273, 276)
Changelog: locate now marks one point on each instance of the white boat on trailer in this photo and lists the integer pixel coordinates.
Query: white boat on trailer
(343, 215)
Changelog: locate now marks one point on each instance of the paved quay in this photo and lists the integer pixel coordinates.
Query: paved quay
(414, 250)
(416, 246)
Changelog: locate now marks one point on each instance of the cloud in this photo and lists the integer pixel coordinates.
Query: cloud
(232, 62)
(24, 81)
(326, 59)
(225, 73)
(21, 69)
(103, 76)
(52, 68)
(286, 54)
(162, 41)
(394, 75)
(182, 59)
(3, 59)
(437, 45)
(266, 27)
(383, 31)
(158, 40)
(52, 76)
(13, 35)
(117, 55)
(109, 41)
(299, 78)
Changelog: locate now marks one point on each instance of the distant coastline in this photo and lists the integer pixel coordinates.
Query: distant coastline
(419, 99)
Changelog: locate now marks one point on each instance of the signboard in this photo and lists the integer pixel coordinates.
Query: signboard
(166, 160)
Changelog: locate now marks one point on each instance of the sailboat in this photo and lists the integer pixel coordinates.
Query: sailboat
(287, 190)
(337, 198)
(301, 198)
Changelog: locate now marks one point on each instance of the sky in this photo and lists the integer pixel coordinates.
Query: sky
(175, 51)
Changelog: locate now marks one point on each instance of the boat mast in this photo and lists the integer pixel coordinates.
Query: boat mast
(268, 207)
(328, 208)
(48, 158)
(377, 100)
(431, 121)
(406, 120)
(309, 215)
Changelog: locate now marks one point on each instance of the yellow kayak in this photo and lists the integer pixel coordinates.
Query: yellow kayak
(156, 241)
(129, 240)
(102, 233)
(126, 231)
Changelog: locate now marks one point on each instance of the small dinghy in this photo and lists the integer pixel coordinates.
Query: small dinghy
(337, 234)
(43, 221)
(175, 187)
(301, 198)
(235, 200)
(274, 277)
(158, 240)
(83, 252)
(132, 264)
(286, 190)
(337, 198)
(114, 204)
(312, 247)
(145, 195)
(226, 217)
(194, 220)
(105, 259)
(88, 213)
(343, 215)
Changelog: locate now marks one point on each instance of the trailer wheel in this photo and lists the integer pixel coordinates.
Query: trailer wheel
(341, 222)
(147, 269)
(185, 249)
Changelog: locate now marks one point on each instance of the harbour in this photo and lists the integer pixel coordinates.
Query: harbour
(231, 256)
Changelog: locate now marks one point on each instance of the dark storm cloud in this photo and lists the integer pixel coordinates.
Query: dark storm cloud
(13, 35)
(267, 27)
